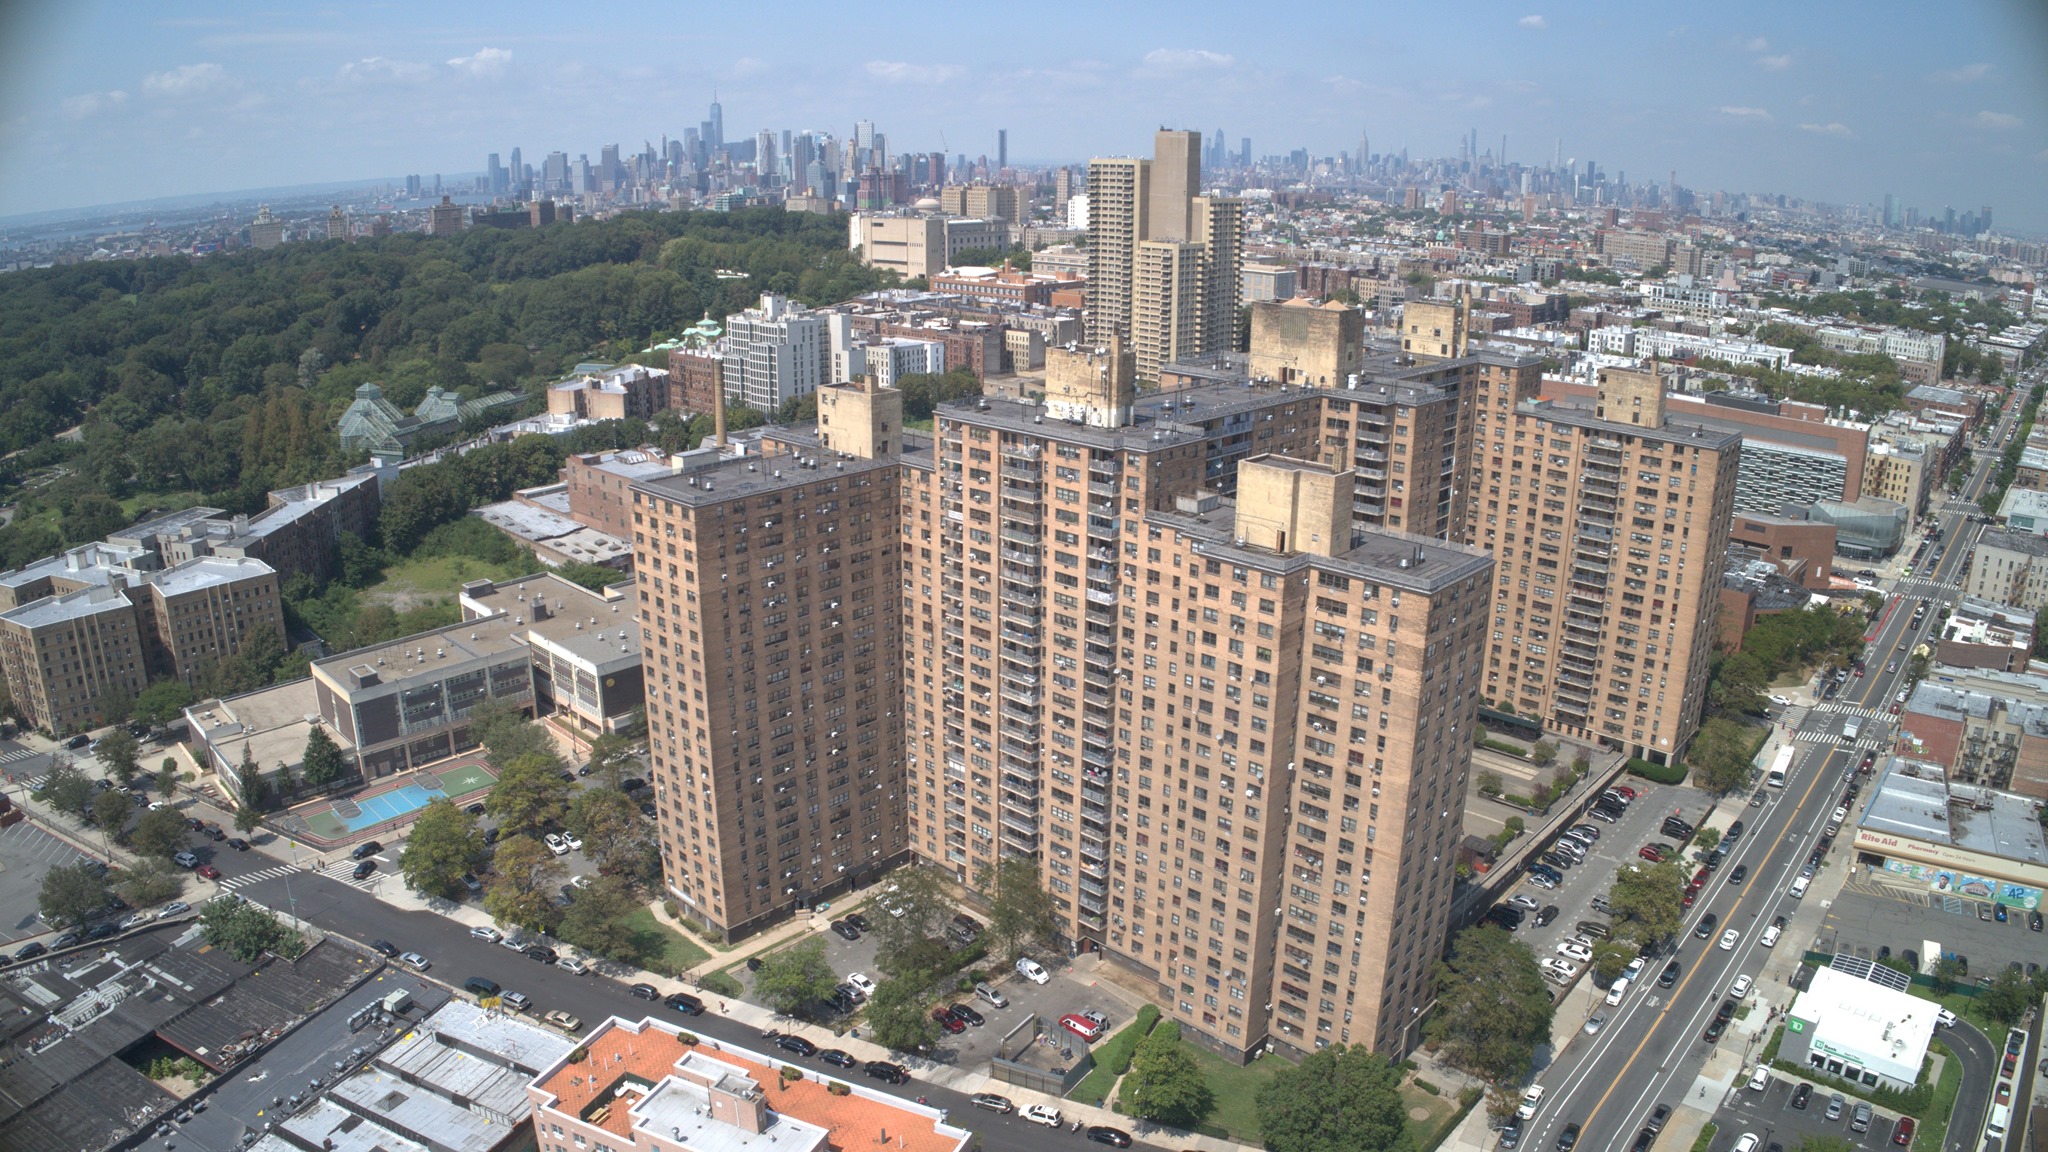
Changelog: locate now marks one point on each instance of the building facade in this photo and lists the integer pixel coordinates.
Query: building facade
(774, 352)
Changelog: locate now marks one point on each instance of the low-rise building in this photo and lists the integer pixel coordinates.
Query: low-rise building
(629, 392)
(2009, 567)
(1958, 839)
(1803, 550)
(1856, 1021)
(1983, 634)
(641, 1087)
(1753, 586)
(2025, 510)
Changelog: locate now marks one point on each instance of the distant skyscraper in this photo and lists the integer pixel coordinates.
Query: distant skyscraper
(764, 158)
(516, 179)
(1002, 148)
(1244, 152)
(1163, 259)
(609, 174)
(494, 176)
(714, 134)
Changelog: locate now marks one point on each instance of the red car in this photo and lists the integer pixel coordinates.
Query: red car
(948, 1021)
(1627, 791)
(208, 871)
(1903, 1134)
(1869, 758)
(1081, 1026)
(1651, 853)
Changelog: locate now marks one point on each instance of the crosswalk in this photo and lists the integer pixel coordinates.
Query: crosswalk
(1862, 744)
(341, 871)
(1867, 711)
(16, 756)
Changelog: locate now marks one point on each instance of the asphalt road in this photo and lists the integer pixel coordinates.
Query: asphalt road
(1651, 1050)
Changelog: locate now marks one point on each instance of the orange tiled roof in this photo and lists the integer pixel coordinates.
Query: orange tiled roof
(653, 1052)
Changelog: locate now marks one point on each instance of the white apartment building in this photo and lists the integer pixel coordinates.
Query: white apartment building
(774, 352)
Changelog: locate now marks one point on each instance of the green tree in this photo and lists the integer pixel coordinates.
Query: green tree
(611, 755)
(1020, 910)
(72, 894)
(2008, 998)
(167, 779)
(1493, 1007)
(160, 832)
(118, 751)
(614, 835)
(521, 894)
(163, 701)
(1165, 1082)
(1945, 973)
(507, 734)
(600, 919)
(899, 1016)
(66, 787)
(1648, 902)
(1720, 756)
(795, 977)
(444, 843)
(323, 763)
(1338, 1099)
(1706, 838)
(1610, 959)
(149, 883)
(912, 946)
(246, 932)
(1544, 753)
(530, 793)
(110, 811)
(250, 790)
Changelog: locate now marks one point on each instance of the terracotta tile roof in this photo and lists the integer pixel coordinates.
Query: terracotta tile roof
(651, 1053)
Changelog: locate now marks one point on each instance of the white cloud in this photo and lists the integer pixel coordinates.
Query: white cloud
(1774, 63)
(903, 72)
(1743, 113)
(1533, 21)
(1997, 120)
(93, 103)
(1831, 128)
(185, 80)
(1186, 59)
(485, 62)
(1756, 44)
(1967, 74)
(749, 66)
(383, 69)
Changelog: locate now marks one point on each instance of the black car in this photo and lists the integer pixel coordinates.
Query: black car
(1714, 859)
(648, 811)
(1673, 826)
(883, 1070)
(845, 931)
(968, 924)
(542, 953)
(685, 1003)
(366, 849)
(645, 991)
(796, 1044)
(1800, 1095)
(963, 1012)
(1503, 918)
(238, 844)
(102, 930)
(78, 741)
(365, 868)
(2034, 920)
(385, 948)
(1569, 1138)
(1726, 1011)
(1733, 834)
(1669, 976)
(491, 836)
(632, 784)
(837, 1059)
(476, 809)
(1737, 874)
(1658, 1118)
(1714, 1030)
(859, 921)
(30, 951)
(1104, 1134)
(1545, 916)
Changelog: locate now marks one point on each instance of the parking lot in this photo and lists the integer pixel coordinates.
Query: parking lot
(1771, 1116)
(1867, 917)
(26, 853)
(1064, 993)
(1618, 846)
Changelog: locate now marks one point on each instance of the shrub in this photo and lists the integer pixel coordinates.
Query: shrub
(1705, 1140)
(578, 1054)
(1656, 773)
(1426, 1086)
(721, 983)
(838, 1089)
(689, 1038)
(790, 1074)
(674, 910)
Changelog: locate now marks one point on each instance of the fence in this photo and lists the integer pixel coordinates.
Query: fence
(1016, 1052)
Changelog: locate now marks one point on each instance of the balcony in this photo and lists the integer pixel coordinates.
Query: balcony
(1097, 756)
(1023, 472)
(1029, 538)
(1017, 694)
(1018, 822)
(1096, 488)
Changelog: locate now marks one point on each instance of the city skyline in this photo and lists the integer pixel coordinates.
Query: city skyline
(1841, 108)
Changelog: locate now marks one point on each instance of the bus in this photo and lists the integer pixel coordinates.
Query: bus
(1781, 764)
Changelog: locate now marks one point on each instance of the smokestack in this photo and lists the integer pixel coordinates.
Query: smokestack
(718, 405)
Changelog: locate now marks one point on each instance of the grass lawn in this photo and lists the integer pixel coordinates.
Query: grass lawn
(1237, 1089)
(1934, 1125)
(407, 580)
(1426, 1132)
(659, 948)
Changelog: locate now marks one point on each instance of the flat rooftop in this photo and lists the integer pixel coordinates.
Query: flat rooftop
(1913, 799)
(1160, 420)
(1689, 429)
(1396, 559)
(208, 572)
(68, 606)
(803, 460)
(272, 721)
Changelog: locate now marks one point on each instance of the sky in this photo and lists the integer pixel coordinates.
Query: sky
(1938, 104)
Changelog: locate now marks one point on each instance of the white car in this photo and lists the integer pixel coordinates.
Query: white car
(1729, 938)
(557, 845)
(1594, 1023)
(1945, 1018)
(1531, 1100)
(1553, 964)
(861, 983)
(1740, 988)
(575, 842)
(1044, 1114)
(1619, 990)
(1574, 950)
(572, 965)
(1032, 970)
(1747, 1143)
(1770, 936)
(1780, 699)
(1634, 969)
(1759, 1079)
(579, 881)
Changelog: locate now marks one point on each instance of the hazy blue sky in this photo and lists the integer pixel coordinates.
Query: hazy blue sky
(1938, 103)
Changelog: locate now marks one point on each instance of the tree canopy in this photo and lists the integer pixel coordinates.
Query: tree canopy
(1492, 1006)
(795, 977)
(444, 843)
(1339, 1099)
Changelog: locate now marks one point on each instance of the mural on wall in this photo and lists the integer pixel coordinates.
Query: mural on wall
(1948, 882)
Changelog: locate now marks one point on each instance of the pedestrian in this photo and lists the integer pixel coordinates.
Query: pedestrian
(721, 1006)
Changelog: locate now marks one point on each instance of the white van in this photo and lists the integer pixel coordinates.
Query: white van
(1620, 989)
(1799, 886)
(2001, 1115)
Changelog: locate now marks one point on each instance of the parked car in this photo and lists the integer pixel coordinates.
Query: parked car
(963, 1012)
(486, 933)
(30, 951)
(209, 872)
(572, 965)
(1032, 970)
(385, 948)
(564, 1021)
(542, 953)
(685, 1003)
(796, 1044)
(861, 983)
(557, 844)
(415, 961)
(992, 1102)
(951, 1023)
(365, 868)
(837, 1059)
(887, 1072)
(645, 991)
(1104, 1134)
(365, 850)
(1044, 1114)
(238, 844)
(845, 931)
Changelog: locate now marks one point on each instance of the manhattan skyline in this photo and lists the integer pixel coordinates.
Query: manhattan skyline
(1834, 103)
